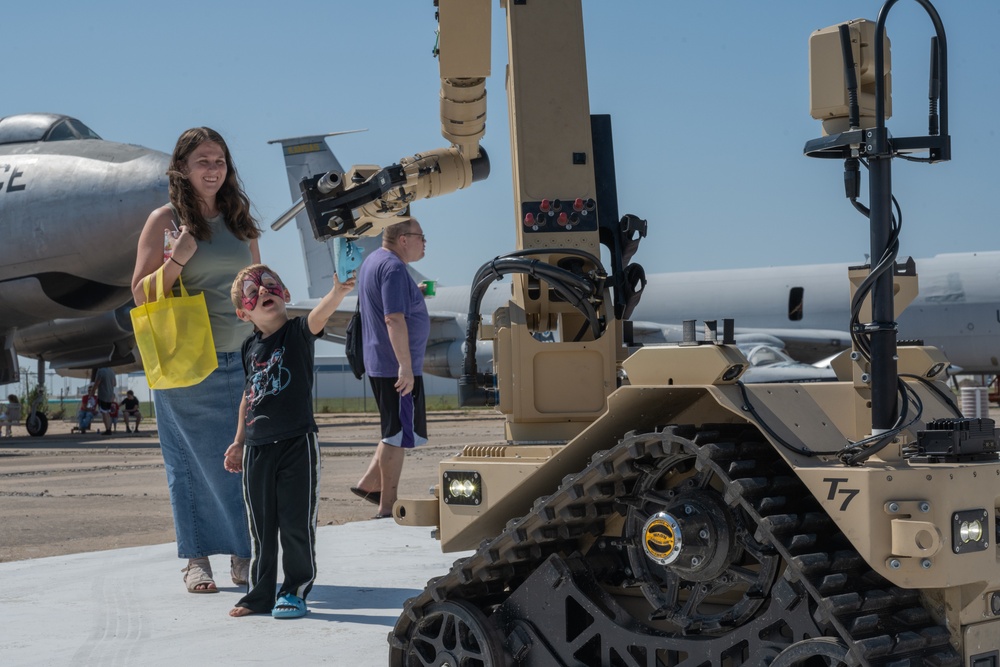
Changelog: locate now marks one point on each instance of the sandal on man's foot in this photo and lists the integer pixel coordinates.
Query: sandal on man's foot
(371, 496)
(289, 606)
(198, 576)
(239, 570)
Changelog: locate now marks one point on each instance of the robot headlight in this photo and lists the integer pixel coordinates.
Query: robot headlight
(462, 487)
(968, 531)
(971, 531)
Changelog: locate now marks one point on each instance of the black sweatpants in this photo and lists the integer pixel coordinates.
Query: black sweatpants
(281, 492)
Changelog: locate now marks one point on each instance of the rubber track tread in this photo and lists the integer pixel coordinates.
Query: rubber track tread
(887, 625)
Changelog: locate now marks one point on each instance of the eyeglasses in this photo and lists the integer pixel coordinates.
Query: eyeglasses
(422, 237)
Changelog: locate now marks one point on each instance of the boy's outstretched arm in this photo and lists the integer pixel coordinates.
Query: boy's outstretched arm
(234, 453)
(321, 314)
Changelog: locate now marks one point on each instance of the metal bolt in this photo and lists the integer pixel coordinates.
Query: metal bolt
(703, 534)
(924, 506)
(894, 564)
(855, 356)
(866, 378)
(925, 563)
(695, 561)
(688, 509)
(893, 507)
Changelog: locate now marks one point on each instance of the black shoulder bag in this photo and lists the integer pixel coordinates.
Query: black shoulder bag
(353, 346)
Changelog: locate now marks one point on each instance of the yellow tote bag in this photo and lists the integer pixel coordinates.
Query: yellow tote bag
(174, 337)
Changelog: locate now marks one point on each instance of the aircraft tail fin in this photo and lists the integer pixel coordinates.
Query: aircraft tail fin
(308, 156)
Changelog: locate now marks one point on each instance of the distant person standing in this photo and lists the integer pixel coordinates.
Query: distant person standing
(276, 446)
(130, 408)
(395, 326)
(207, 234)
(104, 384)
(113, 413)
(11, 414)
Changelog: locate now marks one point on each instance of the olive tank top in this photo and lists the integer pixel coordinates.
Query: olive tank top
(211, 270)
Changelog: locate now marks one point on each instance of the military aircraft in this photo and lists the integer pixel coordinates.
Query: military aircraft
(786, 318)
(957, 309)
(71, 207)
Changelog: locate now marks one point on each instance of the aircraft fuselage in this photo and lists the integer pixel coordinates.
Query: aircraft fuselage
(956, 310)
(71, 212)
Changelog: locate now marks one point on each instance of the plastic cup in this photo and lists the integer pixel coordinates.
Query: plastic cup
(429, 287)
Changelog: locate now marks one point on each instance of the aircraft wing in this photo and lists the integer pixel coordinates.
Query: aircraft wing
(337, 326)
(445, 326)
(805, 345)
(811, 345)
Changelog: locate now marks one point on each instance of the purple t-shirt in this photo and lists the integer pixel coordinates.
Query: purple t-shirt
(385, 287)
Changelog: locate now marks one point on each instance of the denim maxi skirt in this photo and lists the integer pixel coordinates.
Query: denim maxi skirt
(196, 425)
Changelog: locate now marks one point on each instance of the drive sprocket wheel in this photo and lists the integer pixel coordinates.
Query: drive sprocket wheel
(695, 556)
(454, 633)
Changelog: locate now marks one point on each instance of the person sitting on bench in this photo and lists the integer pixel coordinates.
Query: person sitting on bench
(88, 408)
(130, 408)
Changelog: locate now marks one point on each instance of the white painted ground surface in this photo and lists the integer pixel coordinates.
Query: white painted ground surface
(129, 606)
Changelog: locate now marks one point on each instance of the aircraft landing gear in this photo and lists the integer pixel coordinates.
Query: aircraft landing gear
(37, 424)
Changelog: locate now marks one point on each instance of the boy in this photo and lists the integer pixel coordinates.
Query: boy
(113, 413)
(280, 462)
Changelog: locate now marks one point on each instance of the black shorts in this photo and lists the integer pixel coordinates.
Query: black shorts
(105, 406)
(404, 418)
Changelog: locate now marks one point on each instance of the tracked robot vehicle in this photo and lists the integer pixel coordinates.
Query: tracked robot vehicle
(646, 507)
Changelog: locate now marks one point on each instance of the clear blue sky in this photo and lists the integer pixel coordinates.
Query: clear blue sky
(709, 104)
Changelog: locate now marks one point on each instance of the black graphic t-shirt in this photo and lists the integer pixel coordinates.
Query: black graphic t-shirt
(279, 371)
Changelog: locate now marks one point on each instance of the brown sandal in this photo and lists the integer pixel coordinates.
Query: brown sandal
(199, 573)
(239, 570)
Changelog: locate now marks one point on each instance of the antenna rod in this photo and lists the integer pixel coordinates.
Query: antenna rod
(850, 77)
(934, 89)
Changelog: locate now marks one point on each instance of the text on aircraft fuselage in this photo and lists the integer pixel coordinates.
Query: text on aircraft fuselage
(8, 184)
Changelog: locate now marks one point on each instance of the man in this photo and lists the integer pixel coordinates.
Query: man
(395, 326)
(88, 406)
(130, 408)
(104, 381)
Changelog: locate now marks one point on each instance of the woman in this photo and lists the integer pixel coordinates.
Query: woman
(204, 236)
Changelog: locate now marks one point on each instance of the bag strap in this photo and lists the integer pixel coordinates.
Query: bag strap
(158, 274)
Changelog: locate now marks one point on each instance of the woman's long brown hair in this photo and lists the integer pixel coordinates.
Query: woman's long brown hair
(231, 200)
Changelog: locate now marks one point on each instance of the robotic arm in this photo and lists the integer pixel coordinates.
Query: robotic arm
(368, 198)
